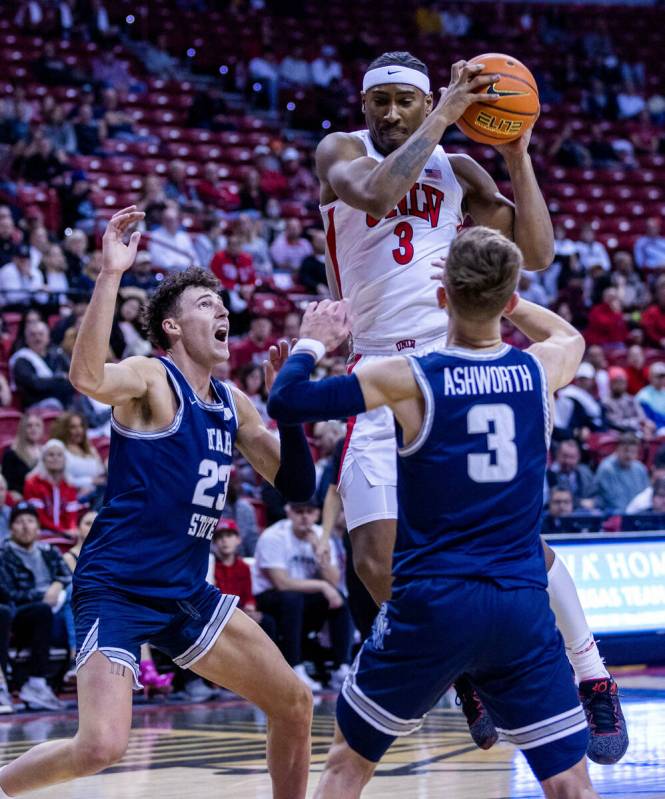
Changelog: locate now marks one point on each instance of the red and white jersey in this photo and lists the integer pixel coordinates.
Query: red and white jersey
(383, 266)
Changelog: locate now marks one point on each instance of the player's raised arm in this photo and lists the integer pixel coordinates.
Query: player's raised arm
(89, 373)
(376, 187)
(557, 345)
(294, 398)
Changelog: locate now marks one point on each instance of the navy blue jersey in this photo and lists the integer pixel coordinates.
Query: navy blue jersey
(165, 494)
(470, 485)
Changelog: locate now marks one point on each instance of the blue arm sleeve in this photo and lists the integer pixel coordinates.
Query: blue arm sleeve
(295, 398)
(296, 478)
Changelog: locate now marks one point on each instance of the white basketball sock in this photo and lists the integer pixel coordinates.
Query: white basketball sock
(570, 619)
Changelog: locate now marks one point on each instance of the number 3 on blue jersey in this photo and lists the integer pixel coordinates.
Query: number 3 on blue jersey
(212, 474)
(501, 442)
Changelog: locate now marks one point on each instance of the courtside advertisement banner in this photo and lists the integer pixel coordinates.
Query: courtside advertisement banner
(621, 583)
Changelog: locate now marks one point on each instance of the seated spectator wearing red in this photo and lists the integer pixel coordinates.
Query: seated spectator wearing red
(272, 182)
(24, 452)
(47, 489)
(254, 347)
(33, 578)
(233, 267)
(636, 370)
(653, 319)
(211, 192)
(606, 322)
(233, 575)
(40, 371)
(622, 410)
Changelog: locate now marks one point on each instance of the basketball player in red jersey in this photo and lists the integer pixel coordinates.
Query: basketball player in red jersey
(392, 201)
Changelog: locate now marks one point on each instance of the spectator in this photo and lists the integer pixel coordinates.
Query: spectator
(16, 114)
(54, 268)
(649, 249)
(66, 18)
(40, 371)
(130, 323)
(232, 266)
(250, 379)
(657, 497)
(606, 323)
(290, 248)
(233, 576)
(111, 73)
(48, 489)
(75, 247)
(636, 369)
(24, 452)
(621, 476)
(41, 162)
(170, 246)
(179, 190)
(264, 73)
(10, 236)
(90, 131)
(39, 244)
(209, 110)
(85, 523)
(325, 436)
(295, 69)
(35, 577)
(301, 183)
(30, 16)
(590, 252)
(83, 285)
(629, 102)
(83, 466)
(644, 136)
(633, 292)
(294, 581)
(622, 411)
(241, 511)
(653, 319)
(567, 472)
(652, 397)
(568, 151)
(252, 197)
(455, 22)
(254, 347)
(312, 272)
(210, 240)
(5, 392)
(595, 355)
(211, 191)
(60, 132)
(325, 68)
(5, 511)
(644, 500)
(119, 124)
(599, 102)
(291, 328)
(428, 19)
(254, 244)
(78, 209)
(19, 281)
(601, 149)
(560, 505)
(530, 288)
(153, 201)
(140, 275)
(576, 411)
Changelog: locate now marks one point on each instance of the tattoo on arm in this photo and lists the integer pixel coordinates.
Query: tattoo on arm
(117, 669)
(411, 157)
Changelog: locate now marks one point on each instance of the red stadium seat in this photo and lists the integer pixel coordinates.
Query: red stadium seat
(9, 420)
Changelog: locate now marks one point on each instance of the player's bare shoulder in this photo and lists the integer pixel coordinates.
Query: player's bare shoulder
(332, 149)
(156, 406)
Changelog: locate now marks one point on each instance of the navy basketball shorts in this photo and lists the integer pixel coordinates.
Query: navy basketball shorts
(429, 633)
(116, 624)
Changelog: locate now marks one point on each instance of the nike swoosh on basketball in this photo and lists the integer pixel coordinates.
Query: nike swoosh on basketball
(502, 93)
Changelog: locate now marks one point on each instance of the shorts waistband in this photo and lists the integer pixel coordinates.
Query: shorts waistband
(407, 346)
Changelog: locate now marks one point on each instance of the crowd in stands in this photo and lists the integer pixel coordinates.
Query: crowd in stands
(259, 232)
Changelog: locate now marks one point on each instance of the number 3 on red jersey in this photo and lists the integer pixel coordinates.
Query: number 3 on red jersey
(403, 253)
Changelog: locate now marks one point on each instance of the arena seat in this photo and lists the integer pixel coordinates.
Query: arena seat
(9, 420)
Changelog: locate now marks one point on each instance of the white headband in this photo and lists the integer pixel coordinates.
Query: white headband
(396, 74)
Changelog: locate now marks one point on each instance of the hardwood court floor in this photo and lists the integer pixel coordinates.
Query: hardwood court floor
(217, 750)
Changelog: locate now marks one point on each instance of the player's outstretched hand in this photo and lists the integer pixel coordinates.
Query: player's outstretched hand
(327, 322)
(277, 355)
(465, 88)
(118, 256)
(517, 147)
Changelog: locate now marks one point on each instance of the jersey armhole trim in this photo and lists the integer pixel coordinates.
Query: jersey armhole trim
(428, 420)
(546, 400)
(146, 435)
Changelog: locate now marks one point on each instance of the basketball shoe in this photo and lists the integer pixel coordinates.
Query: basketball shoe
(609, 736)
(481, 726)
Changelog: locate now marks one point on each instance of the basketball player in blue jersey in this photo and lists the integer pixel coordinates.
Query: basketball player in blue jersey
(392, 200)
(141, 574)
(469, 590)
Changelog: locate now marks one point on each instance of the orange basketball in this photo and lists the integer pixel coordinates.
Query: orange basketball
(512, 115)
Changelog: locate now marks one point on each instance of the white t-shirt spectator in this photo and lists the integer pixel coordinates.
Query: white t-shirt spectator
(630, 105)
(295, 70)
(17, 287)
(593, 254)
(260, 68)
(173, 251)
(325, 71)
(289, 255)
(279, 548)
